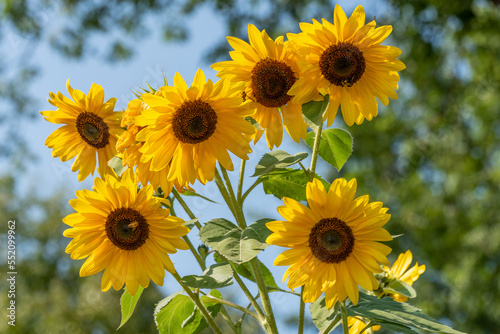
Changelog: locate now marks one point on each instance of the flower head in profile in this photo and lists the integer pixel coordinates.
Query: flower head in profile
(268, 69)
(124, 232)
(191, 128)
(129, 148)
(347, 62)
(90, 127)
(400, 271)
(334, 242)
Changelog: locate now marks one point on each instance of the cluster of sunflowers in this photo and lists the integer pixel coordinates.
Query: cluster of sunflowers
(170, 137)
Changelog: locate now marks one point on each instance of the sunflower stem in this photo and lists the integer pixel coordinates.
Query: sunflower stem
(314, 158)
(223, 191)
(240, 181)
(301, 311)
(236, 205)
(194, 297)
(247, 192)
(264, 296)
(185, 207)
(236, 306)
(345, 325)
(247, 293)
(195, 253)
(332, 324)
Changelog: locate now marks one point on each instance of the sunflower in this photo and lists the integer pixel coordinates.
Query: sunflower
(129, 148)
(333, 242)
(347, 62)
(123, 231)
(268, 69)
(356, 325)
(193, 128)
(90, 127)
(399, 270)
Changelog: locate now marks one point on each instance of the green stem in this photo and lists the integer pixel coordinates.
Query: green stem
(255, 184)
(247, 293)
(301, 311)
(314, 159)
(186, 207)
(223, 191)
(237, 206)
(344, 318)
(199, 304)
(333, 324)
(195, 253)
(240, 181)
(264, 296)
(236, 306)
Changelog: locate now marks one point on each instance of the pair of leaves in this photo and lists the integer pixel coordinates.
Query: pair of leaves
(234, 243)
(399, 317)
(178, 313)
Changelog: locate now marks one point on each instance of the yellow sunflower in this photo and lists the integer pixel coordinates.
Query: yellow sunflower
(334, 242)
(399, 270)
(356, 325)
(91, 126)
(193, 128)
(268, 69)
(124, 232)
(129, 148)
(347, 62)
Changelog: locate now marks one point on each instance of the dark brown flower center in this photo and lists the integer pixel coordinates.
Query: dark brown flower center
(127, 228)
(342, 64)
(93, 130)
(331, 240)
(194, 122)
(271, 81)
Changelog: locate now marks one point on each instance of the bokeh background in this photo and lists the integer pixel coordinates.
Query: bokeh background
(432, 156)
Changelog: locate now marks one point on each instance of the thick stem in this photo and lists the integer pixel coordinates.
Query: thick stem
(345, 326)
(240, 181)
(264, 296)
(199, 304)
(185, 207)
(223, 191)
(301, 311)
(240, 219)
(247, 293)
(314, 158)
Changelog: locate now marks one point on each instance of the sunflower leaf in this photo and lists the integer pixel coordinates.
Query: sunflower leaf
(178, 314)
(400, 287)
(234, 243)
(277, 160)
(386, 311)
(214, 277)
(289, 182)
(335, 146)
(312, 112)
(128, 303)
(323, 317)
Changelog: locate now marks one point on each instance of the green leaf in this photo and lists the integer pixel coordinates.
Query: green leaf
(234, 243)
(289, 182)
(385, 310)
(276, 160)
(117, 165)
(128, 303)
(403, 288)
(179, 316)
(214, 277)
(190, 223)
(313, 111)
(212, 306)
(335, 146)
(323, 317)
(187, 192)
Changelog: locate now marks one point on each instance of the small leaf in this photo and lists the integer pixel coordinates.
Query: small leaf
(234, 243)
(216, 276)
(276, 160)
(190, 223)
(212, 306)
(128, 303)
(289, 182)
(403, 288)
(323, 317)
(335, 146)
(117, 165)
(313, 111)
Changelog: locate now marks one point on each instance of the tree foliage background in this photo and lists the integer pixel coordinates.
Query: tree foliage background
(432, 157)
